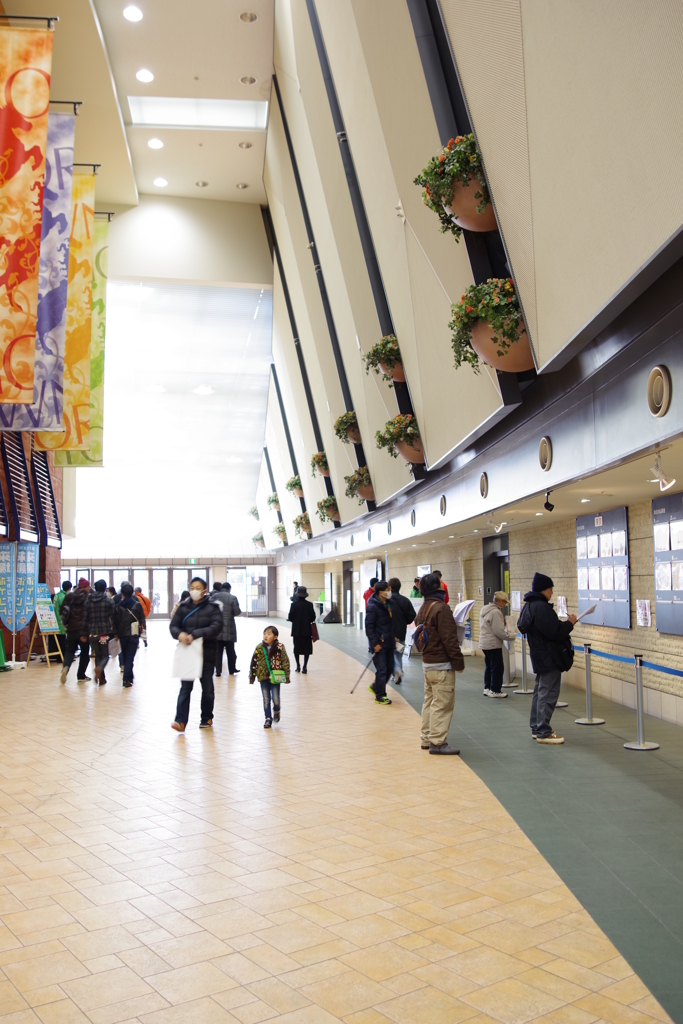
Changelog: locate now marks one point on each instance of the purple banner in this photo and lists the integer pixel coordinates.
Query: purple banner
(45, 413)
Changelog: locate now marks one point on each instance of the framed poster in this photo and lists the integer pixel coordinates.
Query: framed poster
(602, 568)
(667, 537)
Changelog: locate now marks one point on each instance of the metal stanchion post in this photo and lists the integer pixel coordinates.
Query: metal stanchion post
(508, 679)
(524, 690)
(640, 743)
(589, 720)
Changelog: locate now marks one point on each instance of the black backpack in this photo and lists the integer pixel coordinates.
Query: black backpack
(421, 635)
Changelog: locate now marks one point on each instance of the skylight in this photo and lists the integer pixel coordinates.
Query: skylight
(179, 112)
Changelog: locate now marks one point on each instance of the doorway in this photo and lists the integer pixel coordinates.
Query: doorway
(496, 566)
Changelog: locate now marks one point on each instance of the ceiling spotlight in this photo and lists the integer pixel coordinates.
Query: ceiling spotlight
(500, 527)
(144, 75)
(160, 182)
(155, 144)
(201, 184)
(475, 531)
(663, 481)
(248, 80)
(249, 17)
(245, 145)
(132, 13)
(451, 536)
(547, 505)
(242, 184)
(539, 513)
(584, 501)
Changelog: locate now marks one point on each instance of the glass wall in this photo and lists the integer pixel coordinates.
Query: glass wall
(180, 583)
(119, 576)
(160, 592)
(141, 579)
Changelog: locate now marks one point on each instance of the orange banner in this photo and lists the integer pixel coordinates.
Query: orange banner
(25, 65)
(76, 433)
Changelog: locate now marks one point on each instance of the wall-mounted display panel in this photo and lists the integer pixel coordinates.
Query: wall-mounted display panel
(667, 530)
(603, 568)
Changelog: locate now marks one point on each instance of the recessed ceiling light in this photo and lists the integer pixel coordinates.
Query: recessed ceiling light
(248, 80)
(242, 184)
(584, 501)
(249, 17)
(201, 184)
(433, 542)
(475, 531)
(245, 145)
(451, 536)
(155, 144)
(414, 545)
(144, 75)
(539, 513)
(160, 182)
(190, 112)
(203, 389)
(132, 13)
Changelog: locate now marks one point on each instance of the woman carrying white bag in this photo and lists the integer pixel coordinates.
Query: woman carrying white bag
(196, 625)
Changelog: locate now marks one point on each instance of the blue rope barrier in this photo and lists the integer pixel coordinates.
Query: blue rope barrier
(627, 661)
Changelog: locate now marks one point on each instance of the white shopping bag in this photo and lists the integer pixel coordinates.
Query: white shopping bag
(188, 660)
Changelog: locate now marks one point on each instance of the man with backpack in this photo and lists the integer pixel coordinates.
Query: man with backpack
(551, 654)
(436, 638)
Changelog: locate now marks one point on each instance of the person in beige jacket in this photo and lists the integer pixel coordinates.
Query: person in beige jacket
(492, 633)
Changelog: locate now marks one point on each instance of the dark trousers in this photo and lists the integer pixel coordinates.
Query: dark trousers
(546, 693)
(493, 673)
(384, 666)
(100, 652)
(270, 691)
(129, 647)
(73, 642)
(183, 709)
(229, 647)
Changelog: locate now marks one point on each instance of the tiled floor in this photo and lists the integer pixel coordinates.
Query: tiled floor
(325, 870)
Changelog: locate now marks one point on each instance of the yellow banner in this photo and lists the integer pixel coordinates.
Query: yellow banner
(25, 65)
(76, 433)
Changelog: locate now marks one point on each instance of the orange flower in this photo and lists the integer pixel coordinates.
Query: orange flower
(442, 158)
(468, 309)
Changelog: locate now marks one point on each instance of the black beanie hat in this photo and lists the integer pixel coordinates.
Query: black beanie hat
(101, 586)
(541, 582)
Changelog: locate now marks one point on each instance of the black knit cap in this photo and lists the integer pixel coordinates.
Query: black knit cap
(541, 582)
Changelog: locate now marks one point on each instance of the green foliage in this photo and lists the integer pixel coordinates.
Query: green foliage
(253, 511)
(319, 462)
(494, 302)
(343, 424)
(385, 352)
(294, 484)
(302, 525)
(281, 532)
(258, 540)
(401, 428)
(273, 502)
(361, 478)
(457, 162)
(327, 509)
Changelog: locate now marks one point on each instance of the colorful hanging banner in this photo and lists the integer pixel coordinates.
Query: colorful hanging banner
(93, 457)
(76, 413)
(25, 65)
(7, 584)
(46, 411)
(18, 583)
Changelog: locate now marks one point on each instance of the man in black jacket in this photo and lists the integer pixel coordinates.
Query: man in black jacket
(72, 612)
(548, 643)
(129, 622)
(99, 627)
(197, 616)
(380, 633)
(403, 613)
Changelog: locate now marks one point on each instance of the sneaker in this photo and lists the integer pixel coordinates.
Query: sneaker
(83, 678)
(424, 746)
(371, 688)
(267, 724)
(553, 739)
(276, 716)
(126, 683)
(382, 700)
(178, 726)
(64, 673)
(534, 736)
(492, 693)
(443, 748)
(487, 693)
(397, 678)
(206, 725)
(235, 672)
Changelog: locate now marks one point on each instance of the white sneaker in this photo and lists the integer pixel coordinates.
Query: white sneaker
(491, 693)
(487, 693)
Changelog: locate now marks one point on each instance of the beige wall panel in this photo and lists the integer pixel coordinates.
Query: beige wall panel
(305, 296)
(276, 442)
(338, 243)
(267, 519)
(294, 400)
(486, 36)
(392, 133)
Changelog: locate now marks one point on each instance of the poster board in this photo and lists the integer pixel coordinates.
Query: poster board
(45, 612)
(602, 562)
(667, 535)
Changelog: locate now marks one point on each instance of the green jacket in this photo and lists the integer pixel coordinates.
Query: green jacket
(57, 603)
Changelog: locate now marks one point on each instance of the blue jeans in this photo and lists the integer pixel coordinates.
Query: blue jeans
(383, 661)
(129, 646)
(270, 691)
(546, 693)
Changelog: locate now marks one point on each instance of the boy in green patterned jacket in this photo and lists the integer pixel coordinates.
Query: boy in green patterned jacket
(270, 652)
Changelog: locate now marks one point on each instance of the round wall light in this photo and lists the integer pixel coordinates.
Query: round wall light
(321, 549)
(246, 145)
(155, 144)
(351, 540)
(248, 80)
(659, 391)
(412, 518)
(307, 552)
(545, 454)
(201, 184)
(144, 75)
(369, 534)
(335, 545)
(160, 182)
(248, 17)
(132, 13)
(242, 184)
(443, 505)
(389, 527)
(484, 485)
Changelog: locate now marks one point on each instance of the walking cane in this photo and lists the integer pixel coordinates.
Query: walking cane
(362, 674)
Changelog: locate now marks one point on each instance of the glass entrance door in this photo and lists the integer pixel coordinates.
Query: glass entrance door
(160, 592)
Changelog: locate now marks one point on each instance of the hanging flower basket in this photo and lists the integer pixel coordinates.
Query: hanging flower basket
(455, 188)
(385, 358)
(327, 510)
(280, 532)
(258, 540)
(293, 485)
(274, 503)
(253, 511)
(401, 436)
(346, 428)
(302, 525)
(488, 325)
(319, 462)
(359, 485)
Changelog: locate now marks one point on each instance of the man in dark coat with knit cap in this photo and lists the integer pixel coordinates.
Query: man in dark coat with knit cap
(549, 645)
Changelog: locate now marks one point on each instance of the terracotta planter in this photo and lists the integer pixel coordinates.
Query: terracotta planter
(517, 359)
(396, 372)
(275, 508)
(323, 472)
(298, 492)
(353, 434)
(463, 208)
(411, 452)
(366, 492)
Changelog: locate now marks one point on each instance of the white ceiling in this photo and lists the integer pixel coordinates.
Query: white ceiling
(199, 52)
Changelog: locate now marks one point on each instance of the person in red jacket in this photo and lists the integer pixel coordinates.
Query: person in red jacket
(437, 572)
(370, 591)
(146, 607)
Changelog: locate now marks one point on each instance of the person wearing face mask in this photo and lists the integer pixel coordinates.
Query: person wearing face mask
(198, 616)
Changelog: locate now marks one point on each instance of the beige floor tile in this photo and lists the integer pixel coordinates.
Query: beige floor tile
(53, 969)
(512, 1002)
(190, 949)
(346, 993)
(581, 948)
(612, 1011)
(201, 1011)
(102, 989)
(426, 1006)
(484, 965)
(187, 983)
(101, 942)
(278, 995)
(368, 931)
(383, 961)
(10, 998)
(40, 996)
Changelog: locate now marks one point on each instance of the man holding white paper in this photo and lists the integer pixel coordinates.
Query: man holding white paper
(197, 618)
(551, 654)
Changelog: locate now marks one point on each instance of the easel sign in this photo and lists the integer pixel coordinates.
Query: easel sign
(46, 621)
